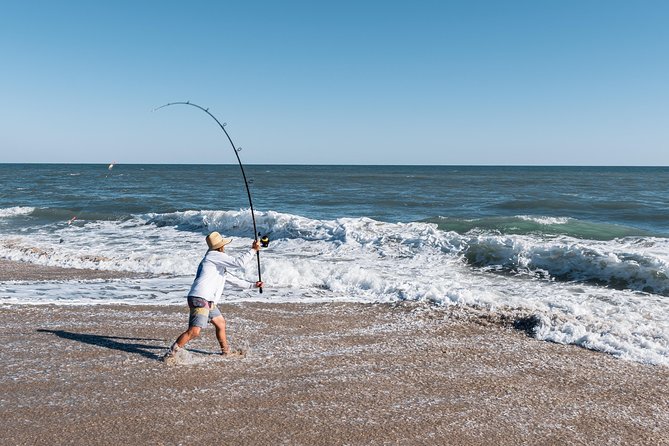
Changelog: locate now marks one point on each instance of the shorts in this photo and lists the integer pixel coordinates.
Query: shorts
(201, 312)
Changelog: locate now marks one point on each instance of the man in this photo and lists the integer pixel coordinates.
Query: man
(212, 275)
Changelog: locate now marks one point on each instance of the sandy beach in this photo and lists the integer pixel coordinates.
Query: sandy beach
(314, 374)
(29, 271)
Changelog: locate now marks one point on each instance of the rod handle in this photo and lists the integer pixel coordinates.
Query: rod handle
(259, 276)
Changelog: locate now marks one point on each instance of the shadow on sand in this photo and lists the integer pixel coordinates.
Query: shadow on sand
(113, 342)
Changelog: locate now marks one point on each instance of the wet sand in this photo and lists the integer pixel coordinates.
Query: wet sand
(10, 270)
(315, 374)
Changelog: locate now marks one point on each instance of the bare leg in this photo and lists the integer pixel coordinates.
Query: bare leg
(186, 336)
(219, 323)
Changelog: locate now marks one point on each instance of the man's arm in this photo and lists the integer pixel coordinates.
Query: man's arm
(243, 259)
(238, 283)
(223, 260)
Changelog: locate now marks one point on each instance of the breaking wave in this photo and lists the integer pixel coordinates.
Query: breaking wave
(16, 210)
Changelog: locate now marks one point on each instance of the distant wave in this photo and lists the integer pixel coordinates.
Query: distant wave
(16, 210)
(559, 204)
(539, 225)
(546, 220)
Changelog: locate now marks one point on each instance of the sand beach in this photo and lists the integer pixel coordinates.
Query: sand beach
(314, 374)
(464, 209)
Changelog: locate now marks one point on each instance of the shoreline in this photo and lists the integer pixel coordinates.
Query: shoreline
(328, 373)
(11, 270)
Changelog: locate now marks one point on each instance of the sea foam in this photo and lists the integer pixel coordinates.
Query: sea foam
(16, 210)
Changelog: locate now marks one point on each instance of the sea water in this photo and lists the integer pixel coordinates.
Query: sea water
(582, 250)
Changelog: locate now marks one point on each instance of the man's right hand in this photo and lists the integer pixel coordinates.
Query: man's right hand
(256, 245)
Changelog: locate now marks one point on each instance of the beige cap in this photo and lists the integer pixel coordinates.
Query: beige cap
(215, 241)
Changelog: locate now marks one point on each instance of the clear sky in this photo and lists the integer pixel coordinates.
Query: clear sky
(569, 82)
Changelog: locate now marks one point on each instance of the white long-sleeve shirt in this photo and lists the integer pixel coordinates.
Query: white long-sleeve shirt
(212, 274)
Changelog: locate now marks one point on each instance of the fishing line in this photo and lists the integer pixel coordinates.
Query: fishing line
(83, 206)
(241, 167)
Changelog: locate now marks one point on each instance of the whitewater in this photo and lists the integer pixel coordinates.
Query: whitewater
(602, 285)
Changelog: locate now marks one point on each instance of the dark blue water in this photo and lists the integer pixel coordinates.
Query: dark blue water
(604, 202)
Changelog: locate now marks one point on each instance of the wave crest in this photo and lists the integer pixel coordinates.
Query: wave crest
(618, 264)
(16, 210)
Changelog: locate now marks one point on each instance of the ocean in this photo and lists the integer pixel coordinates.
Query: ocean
(582, 250)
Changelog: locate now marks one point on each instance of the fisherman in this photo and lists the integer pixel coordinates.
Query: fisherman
(212, 275)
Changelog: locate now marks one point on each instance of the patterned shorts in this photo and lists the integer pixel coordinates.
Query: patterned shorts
(201, 312)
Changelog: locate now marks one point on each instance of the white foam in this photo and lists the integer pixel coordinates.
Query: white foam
(16, 210)
(546, 220)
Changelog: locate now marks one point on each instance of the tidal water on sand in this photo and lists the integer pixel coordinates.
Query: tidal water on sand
(583, 251)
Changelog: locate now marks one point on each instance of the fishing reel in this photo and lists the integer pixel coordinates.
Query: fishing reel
(264, 240)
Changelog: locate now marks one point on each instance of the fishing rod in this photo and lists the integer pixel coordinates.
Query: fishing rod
(241, 167)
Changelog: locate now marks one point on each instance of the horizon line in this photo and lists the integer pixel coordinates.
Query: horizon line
(329, 164)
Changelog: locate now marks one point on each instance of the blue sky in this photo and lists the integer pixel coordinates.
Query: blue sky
(349, 82)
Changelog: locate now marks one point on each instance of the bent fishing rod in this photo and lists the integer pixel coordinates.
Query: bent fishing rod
(241, 167)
